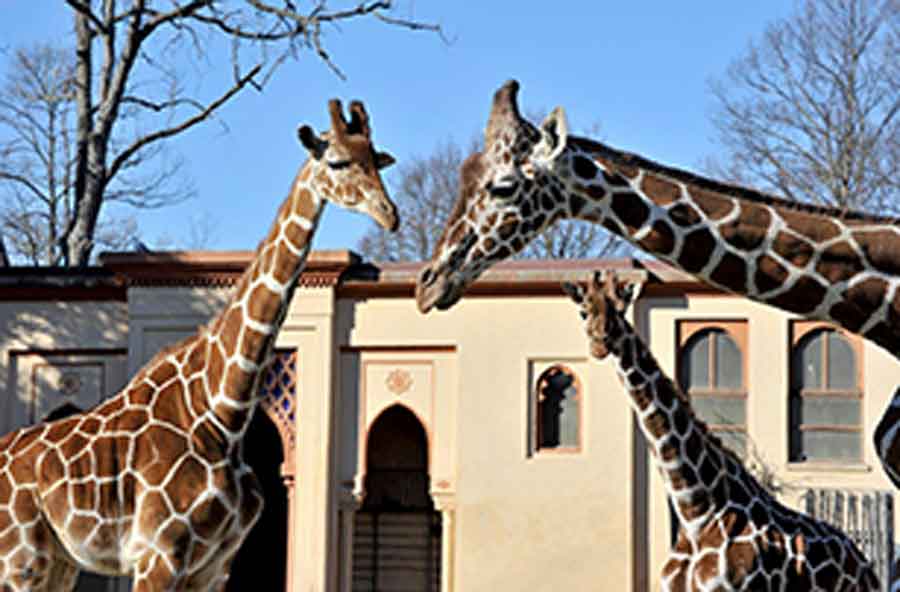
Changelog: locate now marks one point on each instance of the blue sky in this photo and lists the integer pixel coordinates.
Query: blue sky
(638, 69)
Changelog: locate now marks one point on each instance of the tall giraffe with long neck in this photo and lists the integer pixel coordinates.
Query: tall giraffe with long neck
(152, 482)
(822, 263)
(732, 534)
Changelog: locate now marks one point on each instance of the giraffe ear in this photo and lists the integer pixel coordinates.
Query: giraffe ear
(573, 291)
(311, 141)
(555, 132)
(625, 292)
(383, 160)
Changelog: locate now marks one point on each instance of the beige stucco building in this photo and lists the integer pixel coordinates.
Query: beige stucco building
(479, 449)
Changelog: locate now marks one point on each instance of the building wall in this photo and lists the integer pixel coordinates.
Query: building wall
(522, 520)
(768, 379)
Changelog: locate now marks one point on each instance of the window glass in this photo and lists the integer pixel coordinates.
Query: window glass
(841, 363)
(697, 362)
(729, 363)
(558, 409)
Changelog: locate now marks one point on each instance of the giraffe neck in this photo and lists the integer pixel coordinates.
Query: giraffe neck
(691, 461)
(821, 263)
(241, 337)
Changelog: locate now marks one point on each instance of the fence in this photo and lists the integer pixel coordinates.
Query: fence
(867, 517)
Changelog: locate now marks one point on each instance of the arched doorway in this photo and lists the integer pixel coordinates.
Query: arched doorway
(261, 562)
(397, 533)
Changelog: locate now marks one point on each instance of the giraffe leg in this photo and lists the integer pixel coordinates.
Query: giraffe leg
(887, 440)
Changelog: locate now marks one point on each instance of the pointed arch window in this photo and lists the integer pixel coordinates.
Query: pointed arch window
(558, 409)
(712, 372)
(826, 394)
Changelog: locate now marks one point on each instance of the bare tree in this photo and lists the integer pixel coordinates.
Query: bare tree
(37, 144)
(424, 189)
(811, 111)
(130, 94)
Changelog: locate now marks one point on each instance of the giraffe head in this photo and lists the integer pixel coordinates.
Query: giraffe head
(603, 303)
(344, 165)
(496, 213)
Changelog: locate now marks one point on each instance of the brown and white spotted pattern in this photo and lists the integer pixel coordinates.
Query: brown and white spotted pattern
(152, 482)
(732, 534)
(822, 263)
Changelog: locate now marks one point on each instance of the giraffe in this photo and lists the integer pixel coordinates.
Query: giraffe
(732, 534)
(152, 482)
(819, 262)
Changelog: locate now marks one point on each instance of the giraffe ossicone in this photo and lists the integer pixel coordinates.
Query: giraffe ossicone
(152, 482)
(732, 533)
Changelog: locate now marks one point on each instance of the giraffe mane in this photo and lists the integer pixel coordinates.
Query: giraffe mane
(630, 159)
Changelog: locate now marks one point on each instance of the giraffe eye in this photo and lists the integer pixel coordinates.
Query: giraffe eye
(339, 164)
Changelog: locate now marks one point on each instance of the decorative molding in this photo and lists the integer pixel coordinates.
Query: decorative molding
(399, 381)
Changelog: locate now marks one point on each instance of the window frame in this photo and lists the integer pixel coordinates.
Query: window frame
(737, 329)
(537, 429)
(800, 330)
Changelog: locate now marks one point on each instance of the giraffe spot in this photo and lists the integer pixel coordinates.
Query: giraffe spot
(110, 407)
(547, 202)
(141, 394)
(657, 423)
(615, 180)
(517, 243)
(502, 253)
(697, 246)
(796, 250)
(156, 448)
(668, 450)
(630, 209)
(84, 495)
(707, 567)
(525, 209)
(507, 228)
(683, 214)
(827, 576)
(743, 234)
(803, 297)
(815, 227)
(296, 234)
(489, 244)
(858, 303)
(162, 372)
(5, 490)
(731, 272)
(253, 343)
(538, 221)
(709, 469)
(839, 262)
(28, 437)
(694, 508)
(740, 557)
(110, 453)
(60, 429)
(770, 274)
(596, 192)
(660, 240)
(659, 190)
(262, 305)
(302, 204)
(198, 394)
(154, 511)
(583, 167)
(286, 263)
(229, 325)
(209, 517)
(251, 504)
(880, 248)
(215, 369)
(576, 204)
(237, 381)
(188, 482)
(132, 420)
(169, 407)
(884, 335)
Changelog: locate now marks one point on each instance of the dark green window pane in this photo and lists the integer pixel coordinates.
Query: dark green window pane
(729, 363)
(827, 410)
(720, 410)
(841, 363)
(808, 369)
(828, 445)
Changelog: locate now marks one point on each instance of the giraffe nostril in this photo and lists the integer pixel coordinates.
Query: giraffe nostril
(426, 276)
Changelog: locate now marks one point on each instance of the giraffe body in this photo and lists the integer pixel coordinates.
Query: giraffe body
(152, 483)
(732, 534)
(821, 263)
